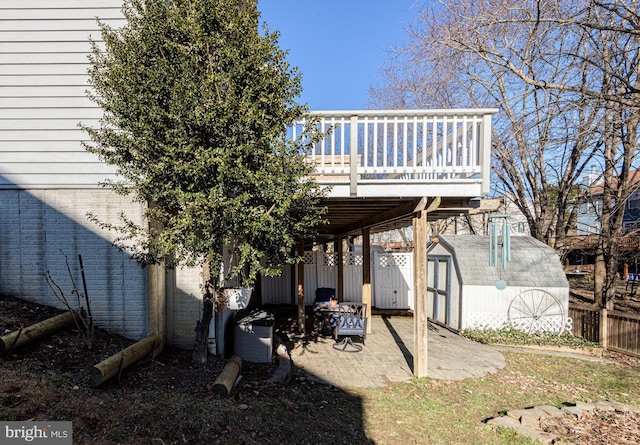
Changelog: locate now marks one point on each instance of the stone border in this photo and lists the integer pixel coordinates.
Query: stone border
(527, 421)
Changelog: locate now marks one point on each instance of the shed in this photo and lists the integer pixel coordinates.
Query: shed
(464, 291)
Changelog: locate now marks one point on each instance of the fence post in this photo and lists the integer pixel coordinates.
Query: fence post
(604, 328)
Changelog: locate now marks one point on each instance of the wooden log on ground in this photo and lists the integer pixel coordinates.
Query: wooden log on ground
(227, 378)
(283, 372)
(37, 331)
(114, 365)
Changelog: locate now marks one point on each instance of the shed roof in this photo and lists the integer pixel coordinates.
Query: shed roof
(533, 263)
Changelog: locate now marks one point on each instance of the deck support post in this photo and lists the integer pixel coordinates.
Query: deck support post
(301, 313)
(340, 250)
(366, 273)
(420, 319)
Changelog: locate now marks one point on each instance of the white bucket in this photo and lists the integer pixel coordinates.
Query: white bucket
(238, 298)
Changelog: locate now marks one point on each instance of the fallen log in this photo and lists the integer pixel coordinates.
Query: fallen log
(283, 372)
(225, 381)
(36, 331)
(120, 361)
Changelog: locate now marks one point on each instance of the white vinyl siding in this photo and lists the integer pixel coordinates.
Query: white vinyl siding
(44, 48)
(392, 275)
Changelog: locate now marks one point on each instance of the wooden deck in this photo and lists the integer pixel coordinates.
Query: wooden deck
(626, 243)
(390, 153)
(383, 166)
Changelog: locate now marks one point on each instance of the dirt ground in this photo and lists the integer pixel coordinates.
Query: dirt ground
(51, 380)
(66, 352)
(597, 428)
(64, 358)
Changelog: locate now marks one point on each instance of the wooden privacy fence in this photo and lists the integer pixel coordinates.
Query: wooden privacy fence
(615, 330)
(586, 322)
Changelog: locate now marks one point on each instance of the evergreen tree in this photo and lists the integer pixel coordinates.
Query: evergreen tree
(196, 104)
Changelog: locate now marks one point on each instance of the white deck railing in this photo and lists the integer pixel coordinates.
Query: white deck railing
(373, 152)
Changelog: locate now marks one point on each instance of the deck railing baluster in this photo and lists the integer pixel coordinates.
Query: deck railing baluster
(400, 148)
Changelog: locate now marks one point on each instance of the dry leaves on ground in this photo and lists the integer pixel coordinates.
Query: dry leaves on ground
(596, 428)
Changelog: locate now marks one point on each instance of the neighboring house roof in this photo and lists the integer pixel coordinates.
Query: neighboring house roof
(533, 263)
(598, 188)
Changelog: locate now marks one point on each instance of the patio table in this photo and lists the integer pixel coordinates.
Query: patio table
(326, 312)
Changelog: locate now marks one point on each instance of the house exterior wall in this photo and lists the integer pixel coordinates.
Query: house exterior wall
(589, 215)
(48, 182)
(184, 305)
(43, 79)
(478, 218)
(590, 209)
(588, 221)
(278, 289)
(40, 230)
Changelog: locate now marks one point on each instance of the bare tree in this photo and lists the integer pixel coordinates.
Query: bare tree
(543, 140)
(564, 75)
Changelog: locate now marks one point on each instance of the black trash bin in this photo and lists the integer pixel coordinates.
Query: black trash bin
(253, 336)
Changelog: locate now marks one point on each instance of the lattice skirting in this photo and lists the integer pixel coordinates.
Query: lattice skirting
(492, 320)
(487, 320)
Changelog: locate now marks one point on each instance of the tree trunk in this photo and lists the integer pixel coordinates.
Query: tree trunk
(202, 329)
(610, 286)
(599, 272)
(301, 310)
(200, 345)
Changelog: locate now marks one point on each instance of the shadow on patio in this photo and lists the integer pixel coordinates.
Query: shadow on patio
(386, 356)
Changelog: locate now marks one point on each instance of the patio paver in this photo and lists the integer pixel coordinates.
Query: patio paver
(387, 357)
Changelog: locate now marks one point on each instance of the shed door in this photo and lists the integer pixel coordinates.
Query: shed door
(439, 288)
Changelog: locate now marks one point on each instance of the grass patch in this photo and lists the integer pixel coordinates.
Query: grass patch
(511, 336)
(441, 412)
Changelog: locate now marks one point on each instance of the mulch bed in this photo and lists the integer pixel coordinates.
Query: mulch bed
(596, 428)
(66, 352)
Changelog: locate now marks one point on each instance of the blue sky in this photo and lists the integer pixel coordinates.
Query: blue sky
(338, 45)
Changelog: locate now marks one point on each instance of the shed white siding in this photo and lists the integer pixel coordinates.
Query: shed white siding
(462, 291)
(487, 307)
